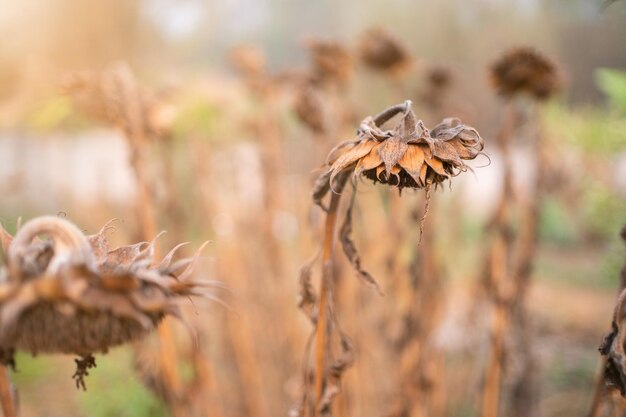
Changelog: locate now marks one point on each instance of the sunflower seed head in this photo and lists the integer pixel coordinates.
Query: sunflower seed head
(523, 70)
(63, 291)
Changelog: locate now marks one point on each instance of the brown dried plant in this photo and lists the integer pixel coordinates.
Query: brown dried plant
(65, 292)
(508, 266)
(330, 62)
(523, 70)
(407, 155)
(114, 97)
(382, 51)
(612, 376)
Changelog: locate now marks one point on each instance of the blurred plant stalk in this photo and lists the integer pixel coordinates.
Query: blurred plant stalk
(6, 398)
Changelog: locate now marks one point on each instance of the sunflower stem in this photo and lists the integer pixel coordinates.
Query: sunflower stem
(322, 342)
(6, 399)
(384, 116)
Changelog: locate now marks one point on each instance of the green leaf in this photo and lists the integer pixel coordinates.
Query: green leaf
(613, 84)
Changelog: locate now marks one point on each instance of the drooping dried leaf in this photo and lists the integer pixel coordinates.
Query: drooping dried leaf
(307, 299)
(351, 252)
(335, 372)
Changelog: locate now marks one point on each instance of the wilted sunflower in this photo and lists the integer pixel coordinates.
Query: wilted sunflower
(309, 105)
(331, 61)
(72, 294)
(524, 70)
(114, 97)
(248, 59)
(382, 51)
(408, 155)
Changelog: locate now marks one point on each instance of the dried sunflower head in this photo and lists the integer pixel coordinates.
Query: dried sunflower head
(248, 59)
(439, 77)
(309, 107)
(523, 70)
(382, 51)
(70, 293)
(407, 155)
(114, 97)
(331, 61)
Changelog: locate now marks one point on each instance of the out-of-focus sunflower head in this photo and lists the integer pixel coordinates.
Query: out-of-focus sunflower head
(523, 70)
(382, 51)
(331, 61)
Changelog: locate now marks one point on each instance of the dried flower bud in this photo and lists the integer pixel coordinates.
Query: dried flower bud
(408, 155)
(525, 71)
(382, 51)
(71, 294)
(331, 61)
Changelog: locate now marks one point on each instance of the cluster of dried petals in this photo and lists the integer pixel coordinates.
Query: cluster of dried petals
(407, 155)
(523, 70)
(382, 51)
(331, 62)
(71, 293)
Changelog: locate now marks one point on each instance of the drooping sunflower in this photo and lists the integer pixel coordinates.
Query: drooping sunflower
(524, 70)
(331, 61)
(72, 294)
(382, 51)
(409, 155)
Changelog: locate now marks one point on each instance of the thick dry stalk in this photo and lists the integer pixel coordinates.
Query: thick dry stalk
(525, 399)
(491, 394)
(138, 142)
(498, 273)
(6, 398)
(322, 333)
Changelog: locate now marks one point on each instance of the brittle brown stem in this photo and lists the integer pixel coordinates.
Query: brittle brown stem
(6, 399)
(322, 341)
(384, 116)
(498, 272)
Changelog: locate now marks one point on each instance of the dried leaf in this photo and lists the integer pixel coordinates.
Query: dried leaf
(307, 299)
(351, 252)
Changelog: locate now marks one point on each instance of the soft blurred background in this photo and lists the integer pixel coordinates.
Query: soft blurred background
(231, 162)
